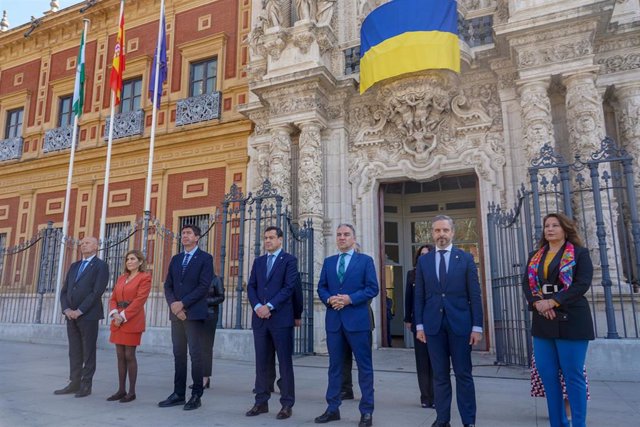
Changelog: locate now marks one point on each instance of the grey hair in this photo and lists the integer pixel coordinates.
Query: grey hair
(344, 224)
(444, 218)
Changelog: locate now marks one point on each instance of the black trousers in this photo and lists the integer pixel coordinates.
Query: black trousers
(83, 336)
(208, 338)
(424, 370)
(187, 334)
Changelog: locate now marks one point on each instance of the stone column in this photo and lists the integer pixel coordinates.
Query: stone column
(311, 184)
(585, 117)
(628, 115)
(537, 122)
(280, 162)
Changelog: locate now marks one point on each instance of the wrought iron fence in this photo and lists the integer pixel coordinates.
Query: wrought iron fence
(28, 271)
(600, 194)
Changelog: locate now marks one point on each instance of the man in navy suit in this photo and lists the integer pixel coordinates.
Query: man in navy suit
(186, 287)
(81, 300)
(448, 313)
(347, 284)
(272, 283)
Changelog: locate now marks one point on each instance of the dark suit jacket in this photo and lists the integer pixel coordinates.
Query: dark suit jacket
(573, 304)
(298, 300)
(359, 282)
(277, 289)
(459, 298)
(192, 288)
(409, 293)
(85, 294)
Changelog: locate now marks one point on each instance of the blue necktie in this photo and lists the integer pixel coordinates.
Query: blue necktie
(341, 267)
(185, 262)
(270, 263)
(442, 271)
(83, 265)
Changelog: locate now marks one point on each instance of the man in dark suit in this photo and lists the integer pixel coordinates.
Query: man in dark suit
(186, 287)
(81, 300)
(272, 283)
(347, 284)
(448, 313)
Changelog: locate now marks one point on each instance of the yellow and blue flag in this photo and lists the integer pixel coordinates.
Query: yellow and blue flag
(405, 36)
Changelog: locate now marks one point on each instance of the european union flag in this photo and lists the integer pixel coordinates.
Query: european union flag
(163, 65)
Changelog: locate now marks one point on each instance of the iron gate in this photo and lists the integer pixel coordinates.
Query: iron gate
(600, 194)
(244, 218)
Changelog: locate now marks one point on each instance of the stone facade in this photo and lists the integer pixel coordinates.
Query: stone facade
(492, 119)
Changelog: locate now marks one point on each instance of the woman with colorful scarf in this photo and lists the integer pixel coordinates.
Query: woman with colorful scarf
(558, 275)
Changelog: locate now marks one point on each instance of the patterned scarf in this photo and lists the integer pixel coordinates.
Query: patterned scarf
(567, 262)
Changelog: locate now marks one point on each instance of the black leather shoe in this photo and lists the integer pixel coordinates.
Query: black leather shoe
(327, 417)
(284, 413)
(116, 396)
(257, 409)
(428, 405)
(366, 420)
(469, 425)
(440, 424)
(346, 395)
(193, 403)
(173, 400)
(83, 392)
(70, 388)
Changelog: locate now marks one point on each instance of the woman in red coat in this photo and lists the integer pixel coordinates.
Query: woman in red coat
(126, 311)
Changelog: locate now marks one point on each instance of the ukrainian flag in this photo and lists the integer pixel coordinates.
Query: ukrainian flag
(405, 36)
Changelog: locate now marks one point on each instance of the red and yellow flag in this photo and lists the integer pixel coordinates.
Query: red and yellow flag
(117, 69)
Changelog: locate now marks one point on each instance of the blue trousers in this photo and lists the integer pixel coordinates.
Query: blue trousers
(569, 355)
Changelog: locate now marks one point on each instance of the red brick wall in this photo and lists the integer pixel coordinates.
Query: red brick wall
(31, 74)
(11, 222)
(40, 209)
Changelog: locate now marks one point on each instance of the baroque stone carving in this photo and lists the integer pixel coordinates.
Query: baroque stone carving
(310, 176)
(616, 63)
(273, 13)
(10, 149)
(305, 9)
(325, 12)
(57, 139)
(125, 124)
(280, 161)
(276, 43)
(555, 53)
(198, 108)
(585, 117)
(536, 117)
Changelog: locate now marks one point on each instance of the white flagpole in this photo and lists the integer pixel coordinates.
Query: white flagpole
(147, 198)
(67, 197)
(107, 170)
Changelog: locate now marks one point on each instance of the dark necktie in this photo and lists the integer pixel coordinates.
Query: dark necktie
(83, 265)
(442, 270)
(341, 267)
(185, 262)
(270, 263)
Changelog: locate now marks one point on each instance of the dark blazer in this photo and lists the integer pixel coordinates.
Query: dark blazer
(215, 297)
(85, 294)
(459, 298)
(298, 300)
(409, 293)
(579, 323)
(192, 288)
(359, 282)
(277, 289)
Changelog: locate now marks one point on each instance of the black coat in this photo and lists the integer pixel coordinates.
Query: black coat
(85, 292)
(409, 293)
(215, 296)
(573, 320)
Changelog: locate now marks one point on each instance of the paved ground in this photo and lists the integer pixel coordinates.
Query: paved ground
(30, 372)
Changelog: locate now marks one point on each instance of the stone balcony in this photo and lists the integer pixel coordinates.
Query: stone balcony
(11, 148)
(126, 124)
(198, 108)
(57, 139)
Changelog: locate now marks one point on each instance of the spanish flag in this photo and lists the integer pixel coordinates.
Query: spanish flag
(117, 68)
(405, 36)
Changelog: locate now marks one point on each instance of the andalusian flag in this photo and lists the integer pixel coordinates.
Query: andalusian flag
(405, 36)
(117, 68)
(78, 90)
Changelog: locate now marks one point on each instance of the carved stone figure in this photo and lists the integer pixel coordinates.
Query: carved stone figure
(585, 117)
(280, 167)
(536, 117)
(305, 9)
(274, 13)
(325, 12)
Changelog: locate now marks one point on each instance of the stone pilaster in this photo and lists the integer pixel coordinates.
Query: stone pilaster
(628, 115)
(280, 161)
(537, 123)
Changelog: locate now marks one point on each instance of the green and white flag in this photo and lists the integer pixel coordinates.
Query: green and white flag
(78, 90)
